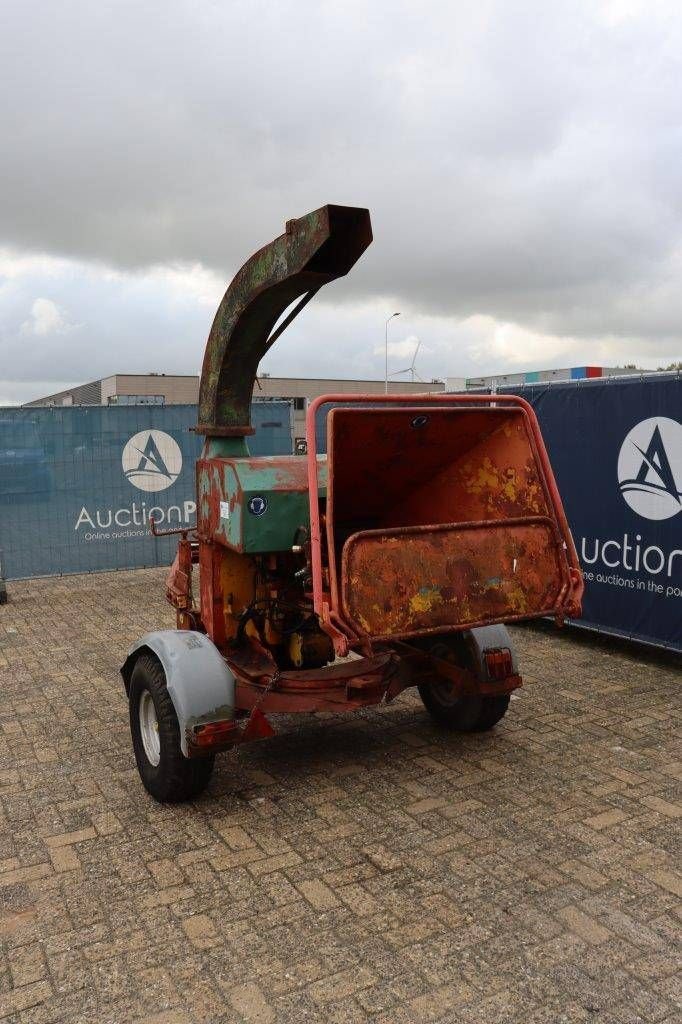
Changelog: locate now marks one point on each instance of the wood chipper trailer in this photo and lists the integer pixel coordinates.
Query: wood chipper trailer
(332, 583)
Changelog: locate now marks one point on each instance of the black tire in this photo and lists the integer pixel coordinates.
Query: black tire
(3, 592)
(175, 778)
(463, 714)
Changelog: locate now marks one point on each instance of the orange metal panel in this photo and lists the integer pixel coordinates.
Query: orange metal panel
(426, 579)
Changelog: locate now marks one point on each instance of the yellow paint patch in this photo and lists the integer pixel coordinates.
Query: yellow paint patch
(424, 601)
(517, 599)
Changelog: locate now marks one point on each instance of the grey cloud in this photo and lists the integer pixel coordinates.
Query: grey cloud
(521, 161)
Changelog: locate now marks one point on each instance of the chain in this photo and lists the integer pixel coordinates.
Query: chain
(272, 682)
(274, 679)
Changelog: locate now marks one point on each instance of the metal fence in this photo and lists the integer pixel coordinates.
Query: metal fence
(78, 484)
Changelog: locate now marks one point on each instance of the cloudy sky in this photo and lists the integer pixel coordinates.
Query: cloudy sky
(522, 162)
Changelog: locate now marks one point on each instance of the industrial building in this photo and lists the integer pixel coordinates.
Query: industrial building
(169, 389)
(499, 380)
(129, 389)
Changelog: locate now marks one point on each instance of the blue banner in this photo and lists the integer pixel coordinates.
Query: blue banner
(616, 450)
(79, 484)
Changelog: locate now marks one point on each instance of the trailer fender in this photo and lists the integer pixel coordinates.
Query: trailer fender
(199, 682)
(486, 638)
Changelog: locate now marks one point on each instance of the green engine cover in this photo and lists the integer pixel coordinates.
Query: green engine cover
(255, 505)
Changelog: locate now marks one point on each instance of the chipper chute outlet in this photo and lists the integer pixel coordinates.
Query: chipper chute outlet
(330, 583)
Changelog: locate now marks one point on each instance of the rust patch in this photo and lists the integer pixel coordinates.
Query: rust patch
(450, 576)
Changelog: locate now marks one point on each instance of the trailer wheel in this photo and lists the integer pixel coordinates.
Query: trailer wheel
(166, 773)
(464, 714)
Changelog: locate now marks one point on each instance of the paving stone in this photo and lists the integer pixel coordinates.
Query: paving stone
(250, 1002)
(68, 838)
(663, 806)
(584, 925)
(667, 880)
(318, 894)
(200, 931)
(606, 819)
(340, 985)
(65, 858)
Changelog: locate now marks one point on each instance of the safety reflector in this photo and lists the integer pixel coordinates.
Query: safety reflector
(499, 663)
(213, 733)
(257, 727)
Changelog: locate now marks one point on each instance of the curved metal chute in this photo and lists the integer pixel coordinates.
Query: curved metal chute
(314, 250)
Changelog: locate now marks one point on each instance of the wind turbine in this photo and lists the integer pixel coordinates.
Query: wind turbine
(411, 368)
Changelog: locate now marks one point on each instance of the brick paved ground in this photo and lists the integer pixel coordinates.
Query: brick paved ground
(357, 869)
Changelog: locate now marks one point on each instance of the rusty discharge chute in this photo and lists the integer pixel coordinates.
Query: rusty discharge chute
(314, 250)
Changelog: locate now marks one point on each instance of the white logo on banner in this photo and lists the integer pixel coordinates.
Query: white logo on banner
(152, 460)
(650, 468)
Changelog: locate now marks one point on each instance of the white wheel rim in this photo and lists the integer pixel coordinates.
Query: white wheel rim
(149, 728)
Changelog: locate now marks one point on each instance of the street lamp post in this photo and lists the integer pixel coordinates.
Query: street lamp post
(386, 347)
